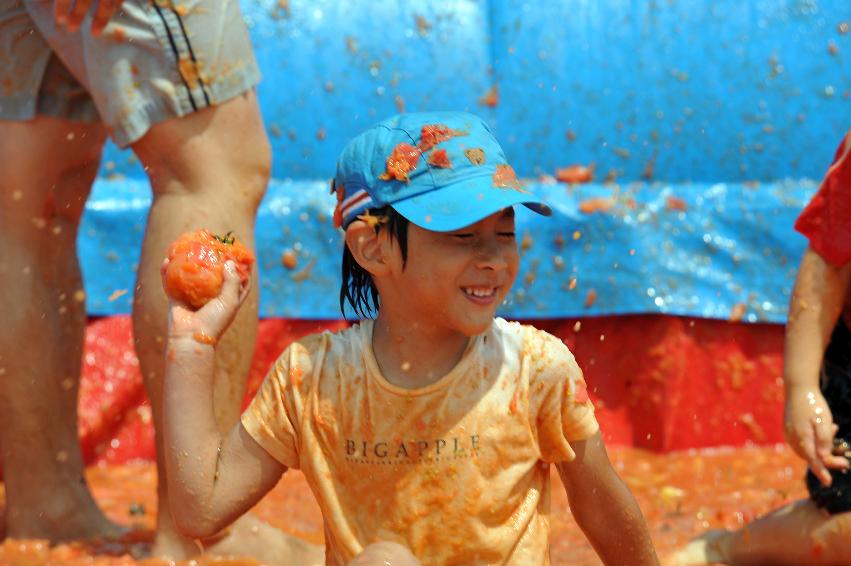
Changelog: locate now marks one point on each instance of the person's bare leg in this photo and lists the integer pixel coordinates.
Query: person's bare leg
(208, 170)
(250, 536)
(385, 554)
(796, 534)
(48, 166)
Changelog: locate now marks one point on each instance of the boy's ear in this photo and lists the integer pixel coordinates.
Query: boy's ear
(370, 249)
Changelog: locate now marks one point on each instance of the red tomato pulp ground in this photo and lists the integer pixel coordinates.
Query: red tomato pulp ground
(680, 493)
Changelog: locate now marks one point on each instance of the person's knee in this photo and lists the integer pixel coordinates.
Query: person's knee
(831, 538)
(236, 183)
(256, 168)
(385, 553)
(221, 153)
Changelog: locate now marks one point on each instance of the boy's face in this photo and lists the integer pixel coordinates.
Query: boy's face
(457, 279)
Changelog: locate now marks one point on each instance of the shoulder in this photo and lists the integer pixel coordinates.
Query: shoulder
(538, 345)
(546, 356)
(322, 342)
(303, 356)
(322, 353)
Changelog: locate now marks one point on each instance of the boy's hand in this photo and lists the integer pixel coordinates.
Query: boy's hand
(208, 323)
(194, 273)
(71, 13)
(810, 430)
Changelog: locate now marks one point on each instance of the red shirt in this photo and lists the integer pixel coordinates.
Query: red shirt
(826, 221)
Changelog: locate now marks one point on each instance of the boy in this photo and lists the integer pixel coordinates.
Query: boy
(432, 426)
(817, 376)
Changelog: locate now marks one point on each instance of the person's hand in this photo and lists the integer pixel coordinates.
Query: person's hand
(810, 430)
(71, 13)
(207, 324)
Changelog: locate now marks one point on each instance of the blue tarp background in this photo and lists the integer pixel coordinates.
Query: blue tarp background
(719, 103)
(732, 245)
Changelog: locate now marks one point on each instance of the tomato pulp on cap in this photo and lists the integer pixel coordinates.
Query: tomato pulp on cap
(195, 270)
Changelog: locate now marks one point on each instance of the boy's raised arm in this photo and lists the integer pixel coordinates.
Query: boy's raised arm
(604, 508)
(213, 477)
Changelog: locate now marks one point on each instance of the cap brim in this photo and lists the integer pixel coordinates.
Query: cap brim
(465, 203)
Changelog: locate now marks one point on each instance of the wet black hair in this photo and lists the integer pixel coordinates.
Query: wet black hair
(358, 289)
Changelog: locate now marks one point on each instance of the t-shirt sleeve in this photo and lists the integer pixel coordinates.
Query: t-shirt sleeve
(826, 221)
(563, 412)
(274, 415)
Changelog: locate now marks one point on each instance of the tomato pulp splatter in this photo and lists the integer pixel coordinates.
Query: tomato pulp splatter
(402, 160)
(505, 177)
(438, 158)
(433, 134)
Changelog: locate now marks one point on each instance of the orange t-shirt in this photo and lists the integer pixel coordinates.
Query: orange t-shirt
(456, 471)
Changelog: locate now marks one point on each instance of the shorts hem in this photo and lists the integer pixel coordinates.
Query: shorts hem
(12, 110)
(134, 126)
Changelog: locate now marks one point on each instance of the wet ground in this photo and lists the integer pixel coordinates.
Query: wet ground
(681, 494)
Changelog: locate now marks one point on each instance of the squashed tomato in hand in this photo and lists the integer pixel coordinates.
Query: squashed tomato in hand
(195, 273)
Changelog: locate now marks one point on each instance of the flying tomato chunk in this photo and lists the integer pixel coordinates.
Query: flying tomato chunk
(596, 204)
(491, 97)
(196, 261)
(402, 160)
(575, 174)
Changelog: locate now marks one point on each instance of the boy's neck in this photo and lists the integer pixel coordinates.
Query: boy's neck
(413, 355)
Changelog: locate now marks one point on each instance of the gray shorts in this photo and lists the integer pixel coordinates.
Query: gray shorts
(156, 60)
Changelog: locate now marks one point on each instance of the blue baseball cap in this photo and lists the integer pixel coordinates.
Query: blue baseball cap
(440, 170)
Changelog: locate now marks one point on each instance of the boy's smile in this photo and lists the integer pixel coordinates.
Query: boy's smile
(453, 281)
(481, 295)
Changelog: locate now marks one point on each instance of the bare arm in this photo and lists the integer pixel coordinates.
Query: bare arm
(604, 508)
(817, 298)
(212, 478)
